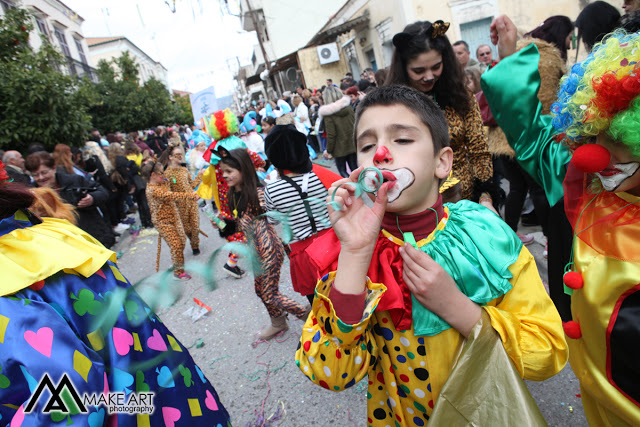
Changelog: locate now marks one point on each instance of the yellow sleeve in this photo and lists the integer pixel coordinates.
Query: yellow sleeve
(529, 324)
(331, 353)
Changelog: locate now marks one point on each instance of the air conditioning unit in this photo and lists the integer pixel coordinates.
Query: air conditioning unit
(328, 53)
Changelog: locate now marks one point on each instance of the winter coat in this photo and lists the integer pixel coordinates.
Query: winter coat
(338, 119)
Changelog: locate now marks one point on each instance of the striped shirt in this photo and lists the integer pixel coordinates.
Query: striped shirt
(280, 196)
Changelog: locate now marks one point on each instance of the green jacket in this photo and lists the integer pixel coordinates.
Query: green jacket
(338, 120)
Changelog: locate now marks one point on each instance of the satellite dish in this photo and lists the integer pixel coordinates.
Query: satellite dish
(292, 74)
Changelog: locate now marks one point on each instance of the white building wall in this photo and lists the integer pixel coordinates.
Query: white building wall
(54, 14)
(147, 67)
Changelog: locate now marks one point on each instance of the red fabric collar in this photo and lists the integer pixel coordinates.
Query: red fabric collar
(386, 267)
(420, 224)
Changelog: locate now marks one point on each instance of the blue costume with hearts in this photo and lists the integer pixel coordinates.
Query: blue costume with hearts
(57, 282)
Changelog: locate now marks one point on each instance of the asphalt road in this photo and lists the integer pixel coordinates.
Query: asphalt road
(257, 382)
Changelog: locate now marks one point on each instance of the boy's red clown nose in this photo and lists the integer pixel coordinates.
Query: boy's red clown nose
(591, 158)
(382, 155)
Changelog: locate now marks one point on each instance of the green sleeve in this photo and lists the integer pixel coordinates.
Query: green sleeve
(511, 88)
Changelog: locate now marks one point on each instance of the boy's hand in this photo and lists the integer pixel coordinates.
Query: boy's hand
(356, 225)
(436, 290)
(504, 34)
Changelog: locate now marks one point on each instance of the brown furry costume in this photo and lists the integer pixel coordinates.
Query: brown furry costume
(551, 68)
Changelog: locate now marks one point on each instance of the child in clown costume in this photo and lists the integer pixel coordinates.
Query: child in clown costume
(222, 127)
(597, 117)
(57, 282)
(249, 130)
(410, 280)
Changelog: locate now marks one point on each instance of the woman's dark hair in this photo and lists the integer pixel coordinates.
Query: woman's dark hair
(77, 157)
(595, 21)
(33, 161)
(381, 76)
(239, 159)
(13, 196)
(363, 85)
(270, 120)
(554, 30)
(449, 90)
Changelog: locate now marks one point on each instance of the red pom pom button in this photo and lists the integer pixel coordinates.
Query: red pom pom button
(572, 329)
(591, 158)
(573, 280)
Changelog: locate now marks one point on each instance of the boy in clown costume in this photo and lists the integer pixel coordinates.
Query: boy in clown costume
(597, 119)
(222, 127)
(409, 280)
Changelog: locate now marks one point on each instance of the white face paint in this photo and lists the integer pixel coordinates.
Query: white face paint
(403, 179)
(612, 178)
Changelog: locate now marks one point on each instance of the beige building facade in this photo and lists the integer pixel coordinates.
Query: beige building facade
(363, 29)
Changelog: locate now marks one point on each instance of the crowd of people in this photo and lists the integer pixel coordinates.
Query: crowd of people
(409, 256)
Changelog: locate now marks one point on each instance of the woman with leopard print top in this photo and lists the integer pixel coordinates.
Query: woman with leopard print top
(424, 59)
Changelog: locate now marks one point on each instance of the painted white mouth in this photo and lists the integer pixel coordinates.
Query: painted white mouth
(404, 179)
(611, 183)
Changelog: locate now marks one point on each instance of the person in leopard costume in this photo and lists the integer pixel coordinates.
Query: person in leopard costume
(180, 182)
(165, 215)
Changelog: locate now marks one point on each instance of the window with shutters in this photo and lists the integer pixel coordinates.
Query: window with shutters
(476, 33)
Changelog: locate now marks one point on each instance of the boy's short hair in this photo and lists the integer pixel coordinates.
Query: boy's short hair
(422, 105)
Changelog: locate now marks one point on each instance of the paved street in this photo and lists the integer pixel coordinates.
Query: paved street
(256, 382)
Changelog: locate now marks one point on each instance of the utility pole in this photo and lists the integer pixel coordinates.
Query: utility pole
(264, 52)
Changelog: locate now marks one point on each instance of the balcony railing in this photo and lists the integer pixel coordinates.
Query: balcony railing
(80, 69)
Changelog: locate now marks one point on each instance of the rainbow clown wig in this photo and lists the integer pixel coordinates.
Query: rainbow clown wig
(601, 94)
(222, 124)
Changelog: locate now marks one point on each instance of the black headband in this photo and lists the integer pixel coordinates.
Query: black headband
(436, 29)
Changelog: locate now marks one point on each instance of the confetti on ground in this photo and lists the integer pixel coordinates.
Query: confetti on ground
(199, 343)
(215, 360)
(148, 232)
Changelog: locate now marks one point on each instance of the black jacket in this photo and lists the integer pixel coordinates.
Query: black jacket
(19, 177)
(72, 188)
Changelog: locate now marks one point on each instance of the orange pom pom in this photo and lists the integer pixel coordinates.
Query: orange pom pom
(591, 158)
(573, 280)
(572, 329)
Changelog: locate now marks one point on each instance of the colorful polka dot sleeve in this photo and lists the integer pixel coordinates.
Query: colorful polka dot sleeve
(348, 345)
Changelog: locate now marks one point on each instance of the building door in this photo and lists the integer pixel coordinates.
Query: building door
(476, 33)
(371, 57)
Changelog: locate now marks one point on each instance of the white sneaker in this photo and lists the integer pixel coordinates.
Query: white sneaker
(120, 228)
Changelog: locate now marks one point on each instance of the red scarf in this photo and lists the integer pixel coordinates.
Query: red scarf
(387, 267)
